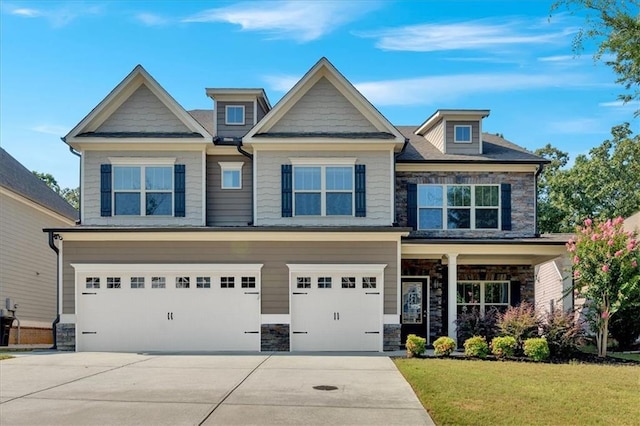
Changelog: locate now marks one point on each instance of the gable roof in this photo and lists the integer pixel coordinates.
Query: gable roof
(16, 178)
(129, 86)
(323, 69)
(495, 150)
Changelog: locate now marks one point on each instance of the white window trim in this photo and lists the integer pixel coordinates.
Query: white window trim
(482, 305)
(143, 190)
(323, 184)
(230, 167)
(472, 207)
(455, 133)
(226, 115)
(323, 161)
(141, 161)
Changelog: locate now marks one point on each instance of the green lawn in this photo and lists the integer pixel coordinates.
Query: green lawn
(5, 356)
(461, 392)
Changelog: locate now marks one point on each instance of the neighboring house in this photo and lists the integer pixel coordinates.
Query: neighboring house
(312, 225)
(27, 265)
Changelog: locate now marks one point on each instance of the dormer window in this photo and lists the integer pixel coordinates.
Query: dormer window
(462, 134)
(234, 115)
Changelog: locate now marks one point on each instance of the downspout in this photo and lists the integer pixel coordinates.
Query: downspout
(76, 153)
(535, 198)
(404, 147)
(54, 325)
(243, 152)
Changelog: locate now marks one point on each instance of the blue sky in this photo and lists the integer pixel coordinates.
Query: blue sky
(409, 58)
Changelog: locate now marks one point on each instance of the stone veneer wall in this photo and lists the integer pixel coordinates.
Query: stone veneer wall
(391, 338)
(274, 338)
(437, 272)
(66, 337)
(523, 217)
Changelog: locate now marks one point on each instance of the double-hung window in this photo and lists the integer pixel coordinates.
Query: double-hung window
(323, 190)
(143, 190)
(458, 206)
(231, 175)
(482, 296)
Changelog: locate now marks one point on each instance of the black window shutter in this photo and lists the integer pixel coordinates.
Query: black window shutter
(287, 201)
(515, 294)
(505, 191)
(361, 191)
(105, 190)
(179, 209)
(412, 205)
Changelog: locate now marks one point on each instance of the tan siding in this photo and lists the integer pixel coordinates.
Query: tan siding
(143, 112)
(228, 207)
(378, 181)
(274, 255)
(436, 135)
(632, 223)
(323, 109)
(27, 264)
(233, 131)
(194, 181)
(463, 148)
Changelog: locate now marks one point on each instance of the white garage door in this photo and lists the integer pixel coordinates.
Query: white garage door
(196, 307)
(336, 307)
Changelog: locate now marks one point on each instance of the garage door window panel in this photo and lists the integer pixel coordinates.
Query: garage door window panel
(92, 282)
(183, 282)
(324, 282)
(348, 282)
(303, 282)
(203, 282)
(113, 282)
(369, 282)
(137, 282)
(227, 282)
(248, 282)
(158, 282)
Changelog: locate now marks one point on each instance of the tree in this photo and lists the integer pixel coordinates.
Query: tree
(605, 272)
(615, 26)
(604, 183)
(72, 195)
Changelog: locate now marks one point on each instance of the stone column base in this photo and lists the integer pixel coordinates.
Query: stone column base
(274, 338)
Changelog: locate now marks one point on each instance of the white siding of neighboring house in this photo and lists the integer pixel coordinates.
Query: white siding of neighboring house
(632, 223)
(553, 278)
(143, 112)
(194, 181)
(378, 189)
(27, 263)
(323, 109)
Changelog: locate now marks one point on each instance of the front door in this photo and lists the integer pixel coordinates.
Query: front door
(414, 305)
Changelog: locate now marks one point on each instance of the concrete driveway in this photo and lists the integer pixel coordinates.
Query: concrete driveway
(118, 388)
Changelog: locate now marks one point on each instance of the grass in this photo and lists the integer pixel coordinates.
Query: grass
(5, 356)
(461, 392)
(592, 349)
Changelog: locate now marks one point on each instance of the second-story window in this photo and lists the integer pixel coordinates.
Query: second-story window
(234, 115)
(323, 190)
(462, 134)
(458, 206)
(143, 190)
(231, 175)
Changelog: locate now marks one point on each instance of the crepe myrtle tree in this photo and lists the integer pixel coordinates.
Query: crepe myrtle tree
(605, 272)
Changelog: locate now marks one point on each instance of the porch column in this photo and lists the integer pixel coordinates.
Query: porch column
(451, 293)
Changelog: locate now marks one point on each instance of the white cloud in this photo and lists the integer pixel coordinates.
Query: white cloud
(57, 17)
(470, 35)
(26, 12)
(51, 129)
(620, 104)
(581, 126)
(150, 19)
(557, 58)
(299, 20)
(441, 89)
(281, 83)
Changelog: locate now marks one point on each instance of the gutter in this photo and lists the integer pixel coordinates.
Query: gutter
(52, 237)
(243, 152)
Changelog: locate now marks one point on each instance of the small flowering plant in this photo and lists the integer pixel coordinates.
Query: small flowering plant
(605, 271)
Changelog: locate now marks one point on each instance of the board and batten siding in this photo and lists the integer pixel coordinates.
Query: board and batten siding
(378, 189)
(229, 207)
(193, 195)
(323, 109)
(435, 135)
(463, 148)
(27, 263)
(274, 255)
(143, 112)
(233, 130)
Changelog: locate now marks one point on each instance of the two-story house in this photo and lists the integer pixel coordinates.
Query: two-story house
(312, 225)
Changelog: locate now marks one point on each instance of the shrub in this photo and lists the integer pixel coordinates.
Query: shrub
(444, 346)
(476, 346)
(625, 326)
(471, 323)
(503, 347)
(536, 348)
(563, 333)
(521, 322)
(415, 345)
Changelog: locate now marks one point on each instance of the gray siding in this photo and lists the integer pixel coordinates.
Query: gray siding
(463, 148)
(193, 179)
(435, 135)
(523, 215)
(142, 112)
(27, 264)
(229, 207)
(323, 109)
(261, 113)
(275, 255)
(233, 131)
(379, 175)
